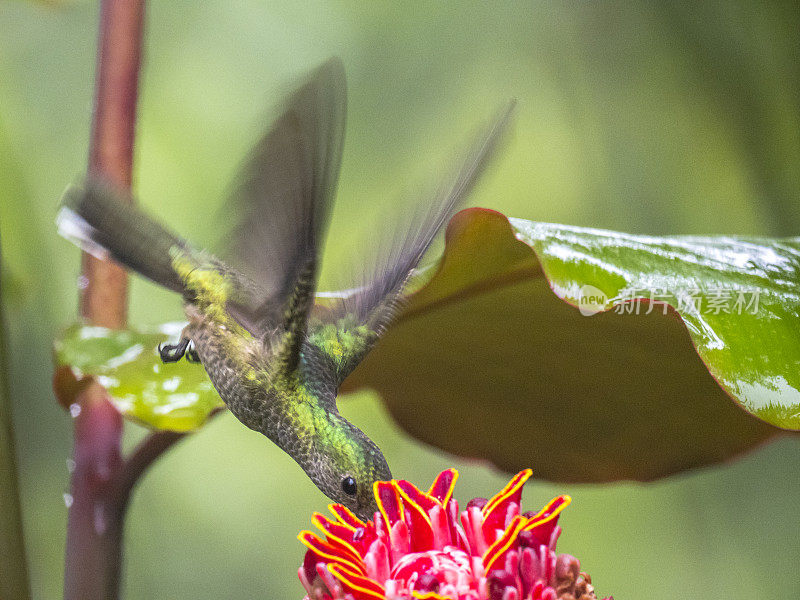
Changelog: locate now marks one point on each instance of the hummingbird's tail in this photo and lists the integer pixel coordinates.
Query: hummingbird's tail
(99, 219)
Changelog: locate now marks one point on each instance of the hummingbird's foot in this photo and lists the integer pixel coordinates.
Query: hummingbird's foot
(191, 353)
(171, 353)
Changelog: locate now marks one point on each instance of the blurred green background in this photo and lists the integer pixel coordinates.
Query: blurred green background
(681, 118)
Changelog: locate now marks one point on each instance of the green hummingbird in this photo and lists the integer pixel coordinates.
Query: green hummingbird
(277, 358)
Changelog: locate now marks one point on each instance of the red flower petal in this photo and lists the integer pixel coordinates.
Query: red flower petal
(399, 540)
(420, 527)
(362, 588)
(309, 569)
(494, 557)
(339, 535)
(389, 503)
(442, 532)
(411, 491)
(544, 522)
(328, 551)
(376, 561)
(457, 534)
(381, 530)
(495, 511)
(346, 516)
(471, 520)
(443, 486)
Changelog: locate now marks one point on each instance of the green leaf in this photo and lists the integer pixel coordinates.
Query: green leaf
(494, 358)
(176, 396)
(739, 298)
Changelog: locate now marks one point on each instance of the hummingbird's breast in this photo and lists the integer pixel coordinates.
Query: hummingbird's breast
(238, 369)
(231, 361)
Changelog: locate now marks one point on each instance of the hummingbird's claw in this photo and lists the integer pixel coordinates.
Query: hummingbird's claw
(191, 353)
(171, 353)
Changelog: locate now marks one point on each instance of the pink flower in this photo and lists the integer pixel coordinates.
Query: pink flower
(419, 546)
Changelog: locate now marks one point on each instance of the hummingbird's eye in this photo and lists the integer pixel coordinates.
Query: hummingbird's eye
(349, 486)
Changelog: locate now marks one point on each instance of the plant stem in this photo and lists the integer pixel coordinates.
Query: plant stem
(96, 516)
(103, 300)
(14, 579)
(94, 525)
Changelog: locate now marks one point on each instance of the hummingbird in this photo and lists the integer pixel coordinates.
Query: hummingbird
(275, 355)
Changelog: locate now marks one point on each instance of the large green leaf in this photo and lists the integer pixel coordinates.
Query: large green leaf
(177, 396)
(493, 358)
(739, 298)
(592, 355)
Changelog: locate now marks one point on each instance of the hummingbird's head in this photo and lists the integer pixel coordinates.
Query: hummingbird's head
(346, 466)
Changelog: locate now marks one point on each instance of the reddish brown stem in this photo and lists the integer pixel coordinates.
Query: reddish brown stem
(100, 484)
(103, 298)
(94, 525)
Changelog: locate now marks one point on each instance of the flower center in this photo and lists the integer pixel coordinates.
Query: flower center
(448, 570)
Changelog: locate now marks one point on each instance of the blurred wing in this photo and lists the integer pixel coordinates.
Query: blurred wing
(283, 199)
(348, 332)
